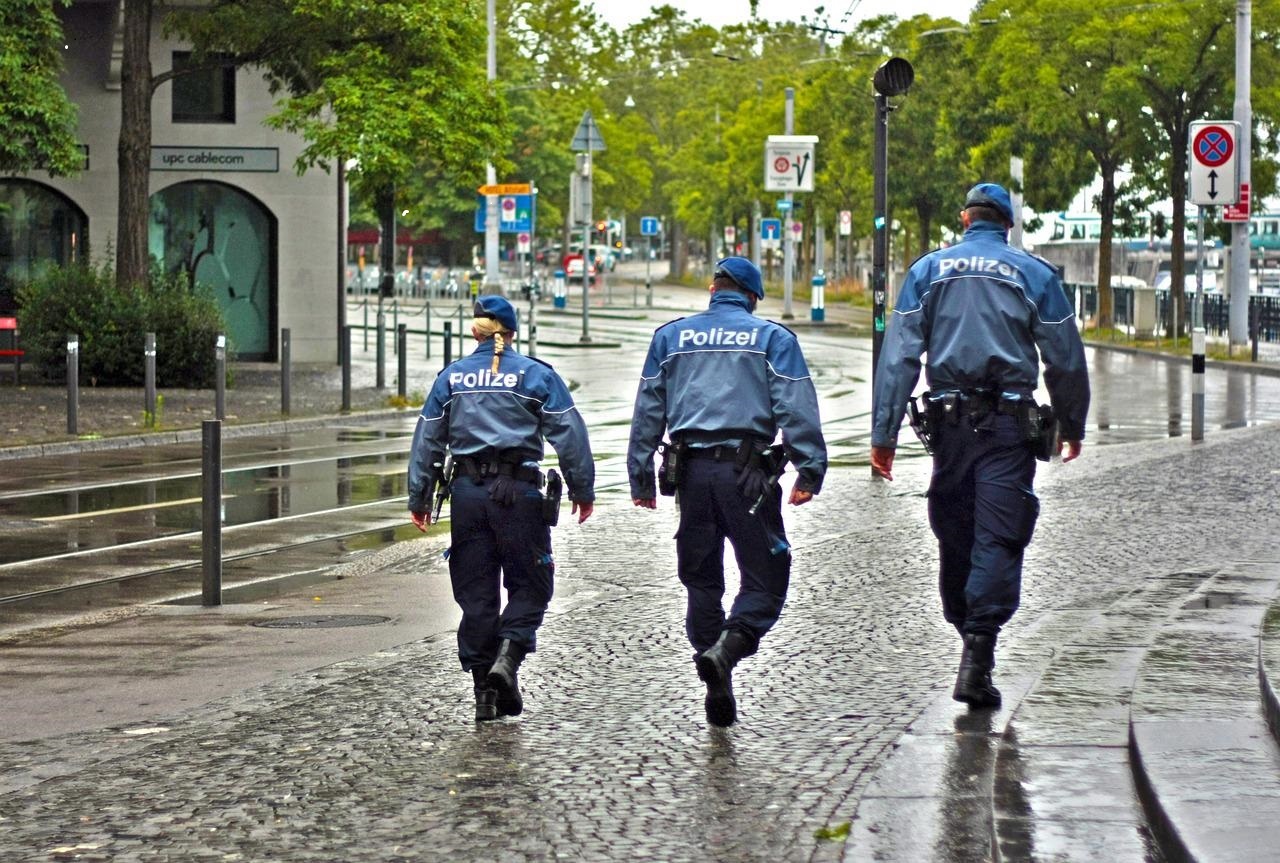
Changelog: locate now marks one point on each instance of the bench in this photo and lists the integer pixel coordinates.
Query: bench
(9, 345)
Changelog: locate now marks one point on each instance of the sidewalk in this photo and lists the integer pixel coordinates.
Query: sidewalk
(1134, 719)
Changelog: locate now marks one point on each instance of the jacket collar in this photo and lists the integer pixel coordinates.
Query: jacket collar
(991, 230)
(721, 299)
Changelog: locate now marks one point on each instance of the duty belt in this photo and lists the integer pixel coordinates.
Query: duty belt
(965, 402)
(482, 468)
(724, 452)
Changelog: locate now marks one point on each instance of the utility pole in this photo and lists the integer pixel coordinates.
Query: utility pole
(788, 248)
(492, 280)
(1238, 314)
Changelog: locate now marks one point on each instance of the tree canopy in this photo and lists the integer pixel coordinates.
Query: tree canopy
(38, 118)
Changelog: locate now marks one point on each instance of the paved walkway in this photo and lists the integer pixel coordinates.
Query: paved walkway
(848, 748)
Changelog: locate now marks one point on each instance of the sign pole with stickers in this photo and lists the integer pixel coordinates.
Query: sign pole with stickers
(789, 168)
(1213, 180)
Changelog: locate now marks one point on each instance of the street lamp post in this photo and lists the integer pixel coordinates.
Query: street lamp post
(893, 78)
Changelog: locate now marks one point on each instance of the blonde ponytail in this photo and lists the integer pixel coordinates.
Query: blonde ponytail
(487, 327)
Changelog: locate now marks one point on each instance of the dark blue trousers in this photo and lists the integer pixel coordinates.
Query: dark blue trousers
(983, 511)
(497, 546)
(712, 510)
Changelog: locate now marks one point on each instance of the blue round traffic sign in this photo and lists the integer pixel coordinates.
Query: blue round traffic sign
(1212, 146)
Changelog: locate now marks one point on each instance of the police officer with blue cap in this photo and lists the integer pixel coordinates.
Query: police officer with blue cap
(493, 409)
(723, 383)
(986, 315)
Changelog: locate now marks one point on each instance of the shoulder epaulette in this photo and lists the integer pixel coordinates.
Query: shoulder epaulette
(780, 326)
(919, 258)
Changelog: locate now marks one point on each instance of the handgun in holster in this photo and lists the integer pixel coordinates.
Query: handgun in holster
(551, 498)
(773, 461)
(1039, 427)
(921, 424)
(444, 480)
(671, 469)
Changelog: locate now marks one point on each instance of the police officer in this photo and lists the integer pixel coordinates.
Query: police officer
(985, 314)
(493, 409)
(723, 383)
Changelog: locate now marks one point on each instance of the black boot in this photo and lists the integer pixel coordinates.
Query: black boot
(486, 695)
(715, 667)
(973, 681)
(502, 677)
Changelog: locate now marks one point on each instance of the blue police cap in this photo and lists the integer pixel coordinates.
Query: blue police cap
(991, 195)
(494, 306)
(742, 273)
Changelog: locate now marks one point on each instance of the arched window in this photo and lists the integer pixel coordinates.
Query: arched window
(39, 227)
(223, 238)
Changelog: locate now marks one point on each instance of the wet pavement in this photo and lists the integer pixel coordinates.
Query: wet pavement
(1130, 709)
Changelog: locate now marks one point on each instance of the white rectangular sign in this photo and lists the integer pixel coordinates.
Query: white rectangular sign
(256, 159)
(1213, 169)
(788, 163)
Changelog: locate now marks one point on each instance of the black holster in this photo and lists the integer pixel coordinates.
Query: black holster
(551, 498)
(671, 470)
(1039, 429)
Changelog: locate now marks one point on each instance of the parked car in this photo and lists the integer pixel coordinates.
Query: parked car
(573, 270)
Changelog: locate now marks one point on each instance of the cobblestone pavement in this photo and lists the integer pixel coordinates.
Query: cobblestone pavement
(377, 759)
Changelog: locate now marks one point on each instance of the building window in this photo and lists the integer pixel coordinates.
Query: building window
(207, 95)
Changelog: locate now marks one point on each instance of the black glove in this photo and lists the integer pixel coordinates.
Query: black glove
(503, 491)
(752, 482)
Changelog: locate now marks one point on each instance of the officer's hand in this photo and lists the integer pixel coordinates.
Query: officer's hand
(882, 461)
(583, 510)
(798, 497)
(503, 491)
(752, 482)
(419, 520)
(1073, 448)
(646, 502)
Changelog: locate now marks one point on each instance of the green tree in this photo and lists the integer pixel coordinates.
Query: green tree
(1186, 69)
(39, 120)
(1068, 70)
(392, 85)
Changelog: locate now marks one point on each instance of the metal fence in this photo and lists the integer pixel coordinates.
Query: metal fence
(1264, 310)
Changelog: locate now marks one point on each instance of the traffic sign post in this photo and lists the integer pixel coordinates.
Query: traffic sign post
(1214, 168)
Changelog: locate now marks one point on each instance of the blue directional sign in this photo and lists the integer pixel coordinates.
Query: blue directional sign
(648, 226)
(770, 229)
(515, 214)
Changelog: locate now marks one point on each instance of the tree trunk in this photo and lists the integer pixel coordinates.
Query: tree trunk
(679, 256)
(926, 230)
(1107, 204)
(134, 205)
(1177, 247)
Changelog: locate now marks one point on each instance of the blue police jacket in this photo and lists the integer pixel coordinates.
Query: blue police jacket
(474, 411)
(722, 375)
(981, 310)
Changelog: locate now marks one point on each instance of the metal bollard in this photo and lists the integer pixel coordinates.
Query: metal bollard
(344, 356)
(366, 326)
(1197, 383)
(426, 309)
(533, 330)
(448, 343)
(149, 379)
(285, 369)
(211, 513)
(818, 300)
(220, 376)
(382, 350)
(461, 328)
(73, 383)
(1255, 316)
(402, 355)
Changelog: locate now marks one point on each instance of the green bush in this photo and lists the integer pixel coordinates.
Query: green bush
(112, 324)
